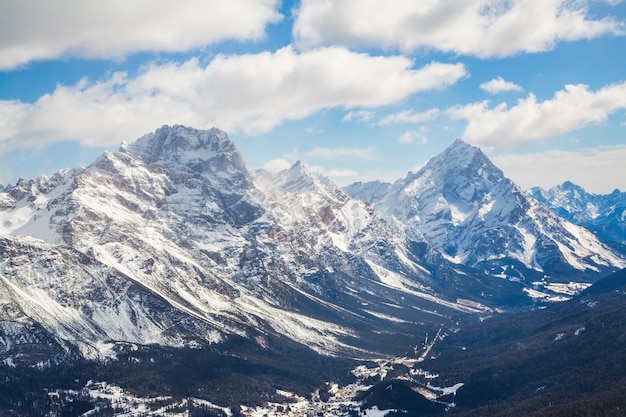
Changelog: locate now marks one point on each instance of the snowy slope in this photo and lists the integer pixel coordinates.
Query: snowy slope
(464, 206)
(171, 240)
(177, 215)
(605, 215)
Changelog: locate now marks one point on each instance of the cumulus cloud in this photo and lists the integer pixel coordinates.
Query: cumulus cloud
(529, 120)
(409, 116)
(411, 136)
(483, 28)
(41, 29)
(599, 170)
(251, 93)
(499, 85)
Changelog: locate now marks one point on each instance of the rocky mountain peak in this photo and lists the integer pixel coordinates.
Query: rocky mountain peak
(461, 161)
(295, 179)
(199, 150)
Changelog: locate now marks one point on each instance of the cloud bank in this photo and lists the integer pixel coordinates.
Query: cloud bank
(529, 120)
(482, 28)
(587, 168)
(41, 29)
(252, 93)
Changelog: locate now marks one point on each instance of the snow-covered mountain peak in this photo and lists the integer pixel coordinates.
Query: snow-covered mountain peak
(179, 146)
(458, 166)
(296, 178)
(465, 207)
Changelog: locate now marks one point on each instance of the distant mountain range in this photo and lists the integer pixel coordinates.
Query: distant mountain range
(172, 243)
(605, 215)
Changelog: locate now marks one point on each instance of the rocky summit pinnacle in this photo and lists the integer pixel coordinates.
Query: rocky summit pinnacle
(200, 150)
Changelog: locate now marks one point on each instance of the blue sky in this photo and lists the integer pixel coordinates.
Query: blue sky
(356, 89)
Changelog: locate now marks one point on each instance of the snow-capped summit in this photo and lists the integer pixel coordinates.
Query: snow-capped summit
(604, 214)
(188, 152)
(296, 178)
(182, 144)
(465, 207)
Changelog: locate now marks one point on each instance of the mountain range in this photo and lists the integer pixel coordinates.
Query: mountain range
(466, 209)
(172, 242)
(604, 214)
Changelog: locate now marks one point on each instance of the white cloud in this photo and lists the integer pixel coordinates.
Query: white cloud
(277, 165)
(252, 93)
(360, 116)
(484, 28)
(411, 136)
(342, 173)
(499, 85)
(41, 29)
(572, 108)
(340, 177)
(599, 170)
(409, 116)
(336, 153)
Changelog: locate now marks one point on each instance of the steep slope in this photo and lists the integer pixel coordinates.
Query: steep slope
(177, 214)
(605, 215)
(58, 304)
(323, 219)
(464, 206)
(174, 211)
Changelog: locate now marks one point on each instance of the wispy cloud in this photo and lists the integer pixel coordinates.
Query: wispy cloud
(278, 164)
(360, 116)
(336, 153)
(410, 116)
(252, 93)
(482, 28)
(572, 108)
(499, 85)
(342, 173)
(412, 136)
(586, 167)
(40, 29)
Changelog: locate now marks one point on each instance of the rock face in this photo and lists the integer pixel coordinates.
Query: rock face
(605, 215)
(172, 241)
(464, 206)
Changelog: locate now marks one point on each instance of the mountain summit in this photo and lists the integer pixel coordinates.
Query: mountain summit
(465, 207)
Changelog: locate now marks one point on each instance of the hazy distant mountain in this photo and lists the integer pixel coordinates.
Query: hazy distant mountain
(604, 214)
